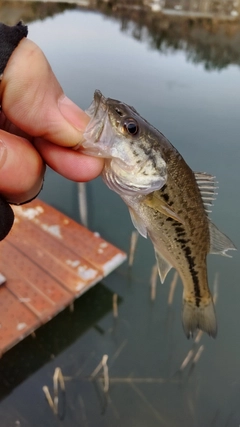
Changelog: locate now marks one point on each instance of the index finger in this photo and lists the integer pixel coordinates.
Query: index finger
(33, 100)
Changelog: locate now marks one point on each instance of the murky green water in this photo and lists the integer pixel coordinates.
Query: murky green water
(183, 77)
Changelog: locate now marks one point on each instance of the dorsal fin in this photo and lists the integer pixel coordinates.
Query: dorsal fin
(207, 186)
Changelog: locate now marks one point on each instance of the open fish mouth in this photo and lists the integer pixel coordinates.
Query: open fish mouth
(98, 101)
(98, 112)
(130, 166)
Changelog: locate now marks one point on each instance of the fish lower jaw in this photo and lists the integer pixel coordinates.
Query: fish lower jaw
(123, 185)
(130, 181)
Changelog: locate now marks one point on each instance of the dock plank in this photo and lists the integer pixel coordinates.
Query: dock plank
(48, 260)
(16, 320)
(15, 264)
(64, 264)
(103, 255)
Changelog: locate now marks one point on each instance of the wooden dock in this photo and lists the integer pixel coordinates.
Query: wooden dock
(47, 261)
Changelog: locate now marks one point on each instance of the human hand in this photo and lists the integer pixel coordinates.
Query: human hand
(38, 125)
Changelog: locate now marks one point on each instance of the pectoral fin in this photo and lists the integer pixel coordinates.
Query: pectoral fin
(163, 266)
(154, 201)
(219, 243)
(138, 223)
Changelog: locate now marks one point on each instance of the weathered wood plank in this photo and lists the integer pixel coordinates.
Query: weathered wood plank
(48, 260)
(103, 255)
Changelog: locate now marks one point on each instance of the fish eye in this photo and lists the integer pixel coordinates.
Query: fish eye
(131, 126)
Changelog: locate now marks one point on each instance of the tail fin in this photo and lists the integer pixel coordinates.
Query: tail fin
(202, 317)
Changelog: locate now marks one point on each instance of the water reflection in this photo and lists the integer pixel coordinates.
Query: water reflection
(54, 337)
(28, 11)
(210, 40)
(208, 31)
(199, 112)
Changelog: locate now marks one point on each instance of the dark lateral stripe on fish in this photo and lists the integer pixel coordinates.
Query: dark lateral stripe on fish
(190, 259)
(194, 274)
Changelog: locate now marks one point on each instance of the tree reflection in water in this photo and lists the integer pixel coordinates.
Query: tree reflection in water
(207, 30)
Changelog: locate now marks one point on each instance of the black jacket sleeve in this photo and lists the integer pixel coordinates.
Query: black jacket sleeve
(9, 39)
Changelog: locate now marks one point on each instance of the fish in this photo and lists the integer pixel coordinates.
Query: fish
(167, 201)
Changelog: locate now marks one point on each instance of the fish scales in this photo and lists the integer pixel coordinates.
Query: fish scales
(180, 239)
(166, 200)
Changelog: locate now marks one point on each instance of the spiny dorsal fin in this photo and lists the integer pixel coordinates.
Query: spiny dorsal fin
(207, 186)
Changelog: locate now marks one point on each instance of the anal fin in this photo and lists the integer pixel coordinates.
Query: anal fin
(163, 266)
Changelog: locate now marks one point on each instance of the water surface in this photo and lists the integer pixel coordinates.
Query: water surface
(193, 97)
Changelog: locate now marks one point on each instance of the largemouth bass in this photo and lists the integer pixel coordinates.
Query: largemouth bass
(167, 201)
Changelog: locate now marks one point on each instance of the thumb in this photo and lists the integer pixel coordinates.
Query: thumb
(33, 100)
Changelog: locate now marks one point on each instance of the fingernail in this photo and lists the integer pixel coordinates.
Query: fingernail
(72, 113)
(3, 153)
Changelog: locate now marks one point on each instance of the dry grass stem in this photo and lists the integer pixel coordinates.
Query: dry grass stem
(115, 305)
(83, 411)
(57, 379)
(149, 405)
(49, 398)
(153, 282)
(215, 288)
(118, 351)
(82, 202)
(198, 337)
(60, 379)
(172, 288)
(102, 365)
(186, 360)
(198, 354)
(67, 378)
(133, 244)
(96, 370)
(130, 380)
(105, 373)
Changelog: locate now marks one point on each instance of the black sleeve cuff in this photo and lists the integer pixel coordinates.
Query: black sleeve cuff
(9, 39)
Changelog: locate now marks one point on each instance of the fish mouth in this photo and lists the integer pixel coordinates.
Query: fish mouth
(98, 112)
(98, 101)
